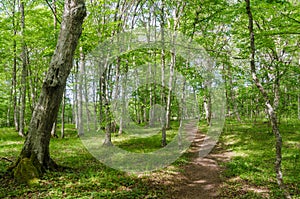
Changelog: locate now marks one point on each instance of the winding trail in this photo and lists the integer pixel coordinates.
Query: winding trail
(200, 178)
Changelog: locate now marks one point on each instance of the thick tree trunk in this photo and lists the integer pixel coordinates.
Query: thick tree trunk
(270, 109)
(35, 152)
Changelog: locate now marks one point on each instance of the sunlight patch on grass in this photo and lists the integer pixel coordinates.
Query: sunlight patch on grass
(254, 159)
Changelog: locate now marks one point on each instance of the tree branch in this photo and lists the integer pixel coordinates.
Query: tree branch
(53, 11)
(295, 20)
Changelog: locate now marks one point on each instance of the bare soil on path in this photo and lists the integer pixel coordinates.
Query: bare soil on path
(200, 178)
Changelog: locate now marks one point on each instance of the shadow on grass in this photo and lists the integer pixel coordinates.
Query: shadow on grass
(86, 178)
(253, 164)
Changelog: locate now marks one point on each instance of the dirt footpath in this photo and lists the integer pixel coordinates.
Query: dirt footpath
(201, 177)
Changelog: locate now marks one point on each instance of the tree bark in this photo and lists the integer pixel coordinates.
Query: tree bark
(80, 93)
(177, 13)
(14, 73)
(106, 100)
(24, 73)
(62, 132)
(163, 66)
(270, 109)
(207, 108)
(298, 106)
(53, 130)
(123, 93)
(36, 146)
(54, 14)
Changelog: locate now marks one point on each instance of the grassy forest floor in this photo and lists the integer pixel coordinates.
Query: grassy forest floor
(240, 166)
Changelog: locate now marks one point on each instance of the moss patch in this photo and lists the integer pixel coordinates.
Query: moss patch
(26, 172)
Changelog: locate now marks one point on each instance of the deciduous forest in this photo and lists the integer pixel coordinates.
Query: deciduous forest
(150, 99)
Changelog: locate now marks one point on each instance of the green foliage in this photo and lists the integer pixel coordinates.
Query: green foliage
(253, 161)
(85, 177)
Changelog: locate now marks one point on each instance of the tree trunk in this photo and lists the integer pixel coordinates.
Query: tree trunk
(80, 93)
(86, 99)
(53, 130)
(207, 108)
(54, 14)
(170, 89)
(32, 88)
(270, 109)
(75, 96)
(24, 74)
(35, 155)
(14, 74)
(62, 132)
(108, 116)
(123, 93)
(179, 10)
(163, 66)
(298, 106)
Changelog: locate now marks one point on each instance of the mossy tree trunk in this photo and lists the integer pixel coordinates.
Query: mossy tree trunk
(36, 146)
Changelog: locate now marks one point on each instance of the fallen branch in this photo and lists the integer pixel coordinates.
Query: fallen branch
(8, 160)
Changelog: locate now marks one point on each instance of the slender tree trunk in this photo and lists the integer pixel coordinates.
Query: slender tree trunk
(299, 96)
(53, 130)
(32, 90)
(101, 82)
(235, 107)
(298, 106)
(63, 104)
(137, 99)
(232, 96)
(75, 94)
(176, 16)
(80, 93)
(95, 101)
(86, 98)
(14, 73)
(54, 14)
(24, 73)
(207, 108)
(270, 109)
(124, 87)
(170, 89)
(163, 67)
(108, 119)
(35, 157)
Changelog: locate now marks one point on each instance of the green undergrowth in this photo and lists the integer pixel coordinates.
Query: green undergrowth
(251, 173)
(85, 177)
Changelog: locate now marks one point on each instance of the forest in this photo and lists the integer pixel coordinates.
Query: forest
(150, 99)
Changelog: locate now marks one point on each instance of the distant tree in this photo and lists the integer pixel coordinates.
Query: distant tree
(24, 58)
